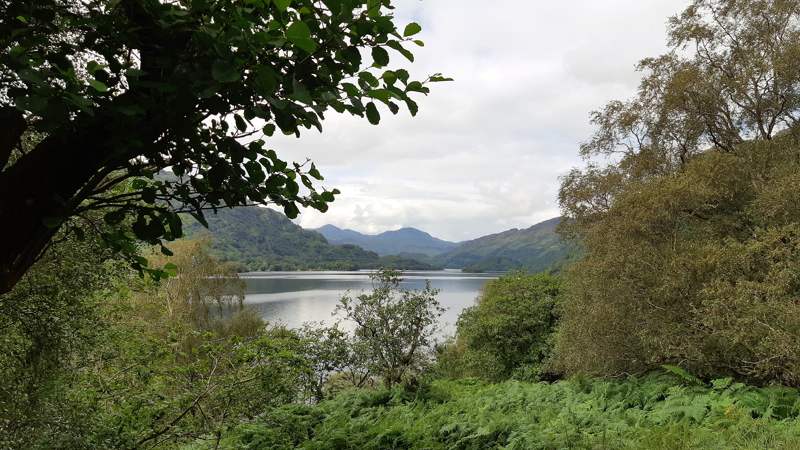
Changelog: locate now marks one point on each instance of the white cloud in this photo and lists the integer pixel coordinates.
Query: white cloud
(485, 152)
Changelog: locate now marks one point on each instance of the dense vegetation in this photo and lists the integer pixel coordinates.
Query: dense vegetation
(691, 234)
(106, 360)
(677, 326)
(697, 268)
(650, 413)
(259, 239)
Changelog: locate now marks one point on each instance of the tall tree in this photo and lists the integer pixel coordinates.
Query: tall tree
(115, 91)
(730, 76)
(688, 223)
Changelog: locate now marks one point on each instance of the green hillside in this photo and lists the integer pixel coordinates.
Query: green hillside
(260, 239)
(536, 249)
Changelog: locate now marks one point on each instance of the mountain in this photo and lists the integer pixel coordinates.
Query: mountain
(262, 239)
(536, 249)
(404, 241)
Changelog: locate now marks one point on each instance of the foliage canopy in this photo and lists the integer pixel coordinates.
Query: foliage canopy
(117, 90)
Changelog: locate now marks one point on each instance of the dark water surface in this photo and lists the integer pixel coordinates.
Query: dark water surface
(293, 298)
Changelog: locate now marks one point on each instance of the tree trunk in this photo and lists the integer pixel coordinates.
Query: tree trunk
(37, 194)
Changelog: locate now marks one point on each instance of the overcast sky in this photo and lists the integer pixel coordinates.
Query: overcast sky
(485, 152)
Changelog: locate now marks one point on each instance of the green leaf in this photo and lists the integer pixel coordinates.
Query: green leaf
(373, 115)
(416, 86)
(373, 8)
(389, 77)
(368, 78)
(255, 171)
(315, 173)
(380, 56)
(241, 124)
(282, 5)
(412, 106)
(224, 72)
(98, 86)
(265, 80)
(299, 34)
(171, 269)
(402, 75)
(291, 211)
(411, 29)
(683, 374)
(397, 46)
(380, 94)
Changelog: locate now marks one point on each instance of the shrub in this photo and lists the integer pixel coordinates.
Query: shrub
(508, 333)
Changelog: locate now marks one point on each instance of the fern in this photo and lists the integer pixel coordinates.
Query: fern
(683, 374)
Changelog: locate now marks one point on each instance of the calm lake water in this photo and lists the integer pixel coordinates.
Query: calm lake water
(293, 298)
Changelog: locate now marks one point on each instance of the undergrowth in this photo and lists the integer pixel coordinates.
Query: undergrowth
(653, 412)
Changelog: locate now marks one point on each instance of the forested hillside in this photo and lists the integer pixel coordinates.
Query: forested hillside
(395, 242)
(260, 239)
(264, 239)
(534, 249)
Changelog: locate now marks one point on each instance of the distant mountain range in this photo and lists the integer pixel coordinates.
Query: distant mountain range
(263, 239)
(396, 242)
(260, 239)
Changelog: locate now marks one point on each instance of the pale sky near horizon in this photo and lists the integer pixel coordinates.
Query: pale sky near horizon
(485, 152)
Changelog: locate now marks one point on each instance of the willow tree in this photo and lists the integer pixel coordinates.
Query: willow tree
(99, 93)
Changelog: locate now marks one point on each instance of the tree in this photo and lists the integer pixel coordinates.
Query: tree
(509, 331)
(327, 352)
(689, 227)
(394, 325)
(119, 90)
(730, 76)
(697, 269)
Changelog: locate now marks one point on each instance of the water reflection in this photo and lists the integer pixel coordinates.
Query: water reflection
(293, 298)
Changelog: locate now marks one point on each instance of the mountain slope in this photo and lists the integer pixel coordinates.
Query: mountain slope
(536, 249)
(402, 241)
(263, 239)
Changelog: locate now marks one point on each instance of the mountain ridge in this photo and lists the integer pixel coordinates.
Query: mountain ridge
(536, 248)
(261, 239)
(408, 240)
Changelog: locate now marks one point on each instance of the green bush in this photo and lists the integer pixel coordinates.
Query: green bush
(508, 333)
